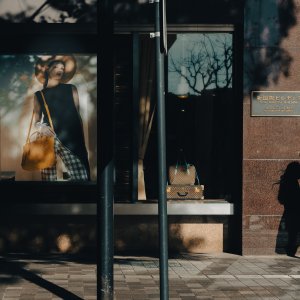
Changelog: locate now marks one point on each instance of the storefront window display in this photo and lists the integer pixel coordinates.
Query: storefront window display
(200, 105)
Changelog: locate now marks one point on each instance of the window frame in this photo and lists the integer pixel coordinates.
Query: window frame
(135, 31)
(26, 39)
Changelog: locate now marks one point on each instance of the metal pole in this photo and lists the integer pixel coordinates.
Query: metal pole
(105, 279)
(162, 177)
(135, 114)
(105, 276)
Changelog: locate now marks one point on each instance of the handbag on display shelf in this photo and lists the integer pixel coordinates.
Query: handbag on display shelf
(182, 179)
(38, 151)
(185, 192)
(182, 172)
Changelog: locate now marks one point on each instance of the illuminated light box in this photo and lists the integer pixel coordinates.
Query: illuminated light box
(69, 85)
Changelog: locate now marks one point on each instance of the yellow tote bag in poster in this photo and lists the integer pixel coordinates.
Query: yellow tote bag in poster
(39, 153)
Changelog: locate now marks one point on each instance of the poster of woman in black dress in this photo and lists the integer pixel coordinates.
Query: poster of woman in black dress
(69, 85)
(63, 103)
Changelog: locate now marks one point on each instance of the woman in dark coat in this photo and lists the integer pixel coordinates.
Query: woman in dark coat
(289, 196)
(63, 102)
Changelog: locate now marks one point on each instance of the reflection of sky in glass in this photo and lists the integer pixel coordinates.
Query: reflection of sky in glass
(28, 7)
(207, 53)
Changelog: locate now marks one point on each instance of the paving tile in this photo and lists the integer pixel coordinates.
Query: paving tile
(210, 277)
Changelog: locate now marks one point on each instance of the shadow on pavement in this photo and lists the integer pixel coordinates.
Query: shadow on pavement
(13, 271)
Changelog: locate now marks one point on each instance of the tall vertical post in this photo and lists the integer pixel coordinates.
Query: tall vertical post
(105, 270)
(135, 114)
(161, 142)
(105, 283)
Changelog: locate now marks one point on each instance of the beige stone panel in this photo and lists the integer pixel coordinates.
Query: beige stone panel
(290, 82)
(264, 235)
(270, 137)
(261, 185)
(260, 197)
(184, 237)
(264, 170)
(293, 37)
(264, 242)
(199, 238)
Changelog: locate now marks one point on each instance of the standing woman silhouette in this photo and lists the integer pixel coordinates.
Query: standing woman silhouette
(63, 102)
(289, 196)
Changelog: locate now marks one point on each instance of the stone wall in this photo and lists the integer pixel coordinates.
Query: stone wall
(193, 234)
(132, 234)
(271, 63)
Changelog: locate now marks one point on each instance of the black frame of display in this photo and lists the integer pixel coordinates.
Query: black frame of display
(35, 38)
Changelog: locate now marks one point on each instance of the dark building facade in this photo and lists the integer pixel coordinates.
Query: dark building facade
(269, 143)
(231, 77)
(239, 155)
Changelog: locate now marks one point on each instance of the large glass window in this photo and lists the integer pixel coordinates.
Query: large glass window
(199, 111)
(198, 62)
(200, 107)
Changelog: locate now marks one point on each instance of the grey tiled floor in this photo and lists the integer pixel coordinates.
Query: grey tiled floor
(220, 276)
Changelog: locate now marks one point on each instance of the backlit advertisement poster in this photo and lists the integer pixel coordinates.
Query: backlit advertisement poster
(48, 117)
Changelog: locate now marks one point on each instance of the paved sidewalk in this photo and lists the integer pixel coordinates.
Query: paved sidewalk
(203, 276)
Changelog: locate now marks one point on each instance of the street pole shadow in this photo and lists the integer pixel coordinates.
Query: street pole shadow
(16, 269)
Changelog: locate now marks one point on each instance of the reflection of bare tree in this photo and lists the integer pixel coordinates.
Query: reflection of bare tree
(208, 63)
(80, 11)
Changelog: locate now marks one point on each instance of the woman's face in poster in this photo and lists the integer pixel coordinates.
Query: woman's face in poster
(56, 71)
